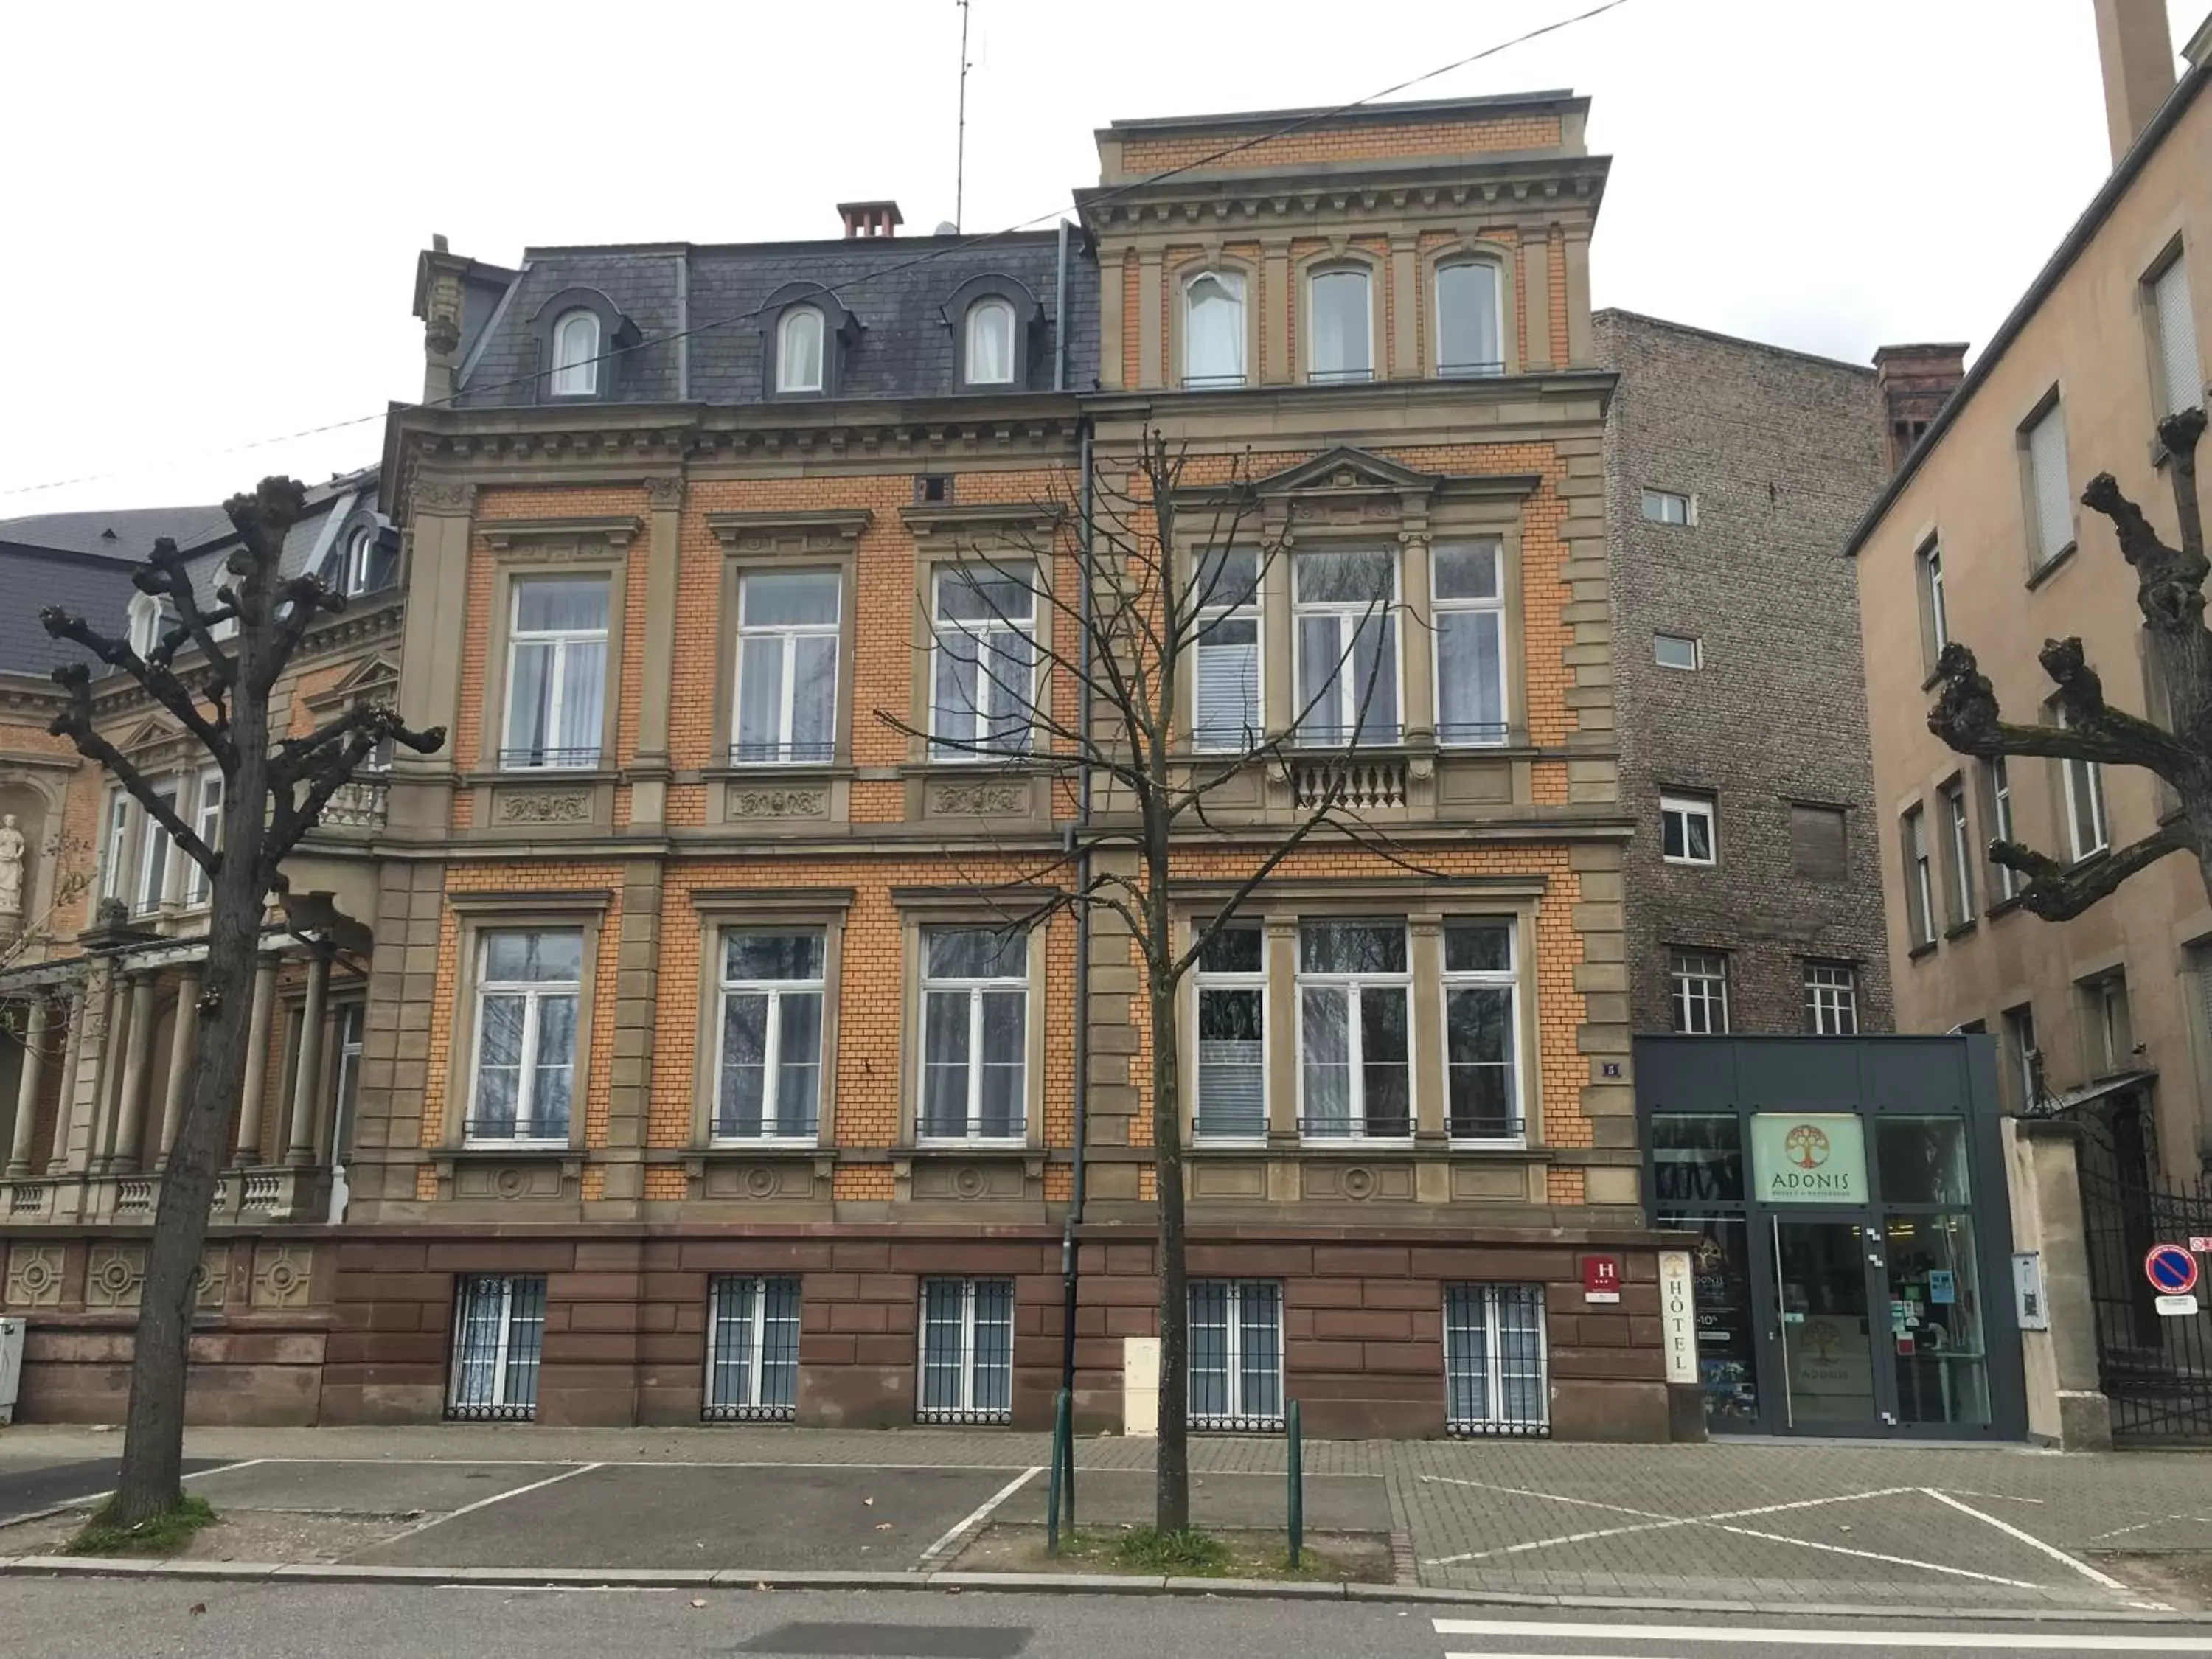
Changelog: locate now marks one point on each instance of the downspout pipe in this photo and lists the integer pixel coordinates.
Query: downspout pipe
(1078, 842)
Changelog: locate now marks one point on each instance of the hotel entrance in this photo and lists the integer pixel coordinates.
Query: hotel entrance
(1853, 1266)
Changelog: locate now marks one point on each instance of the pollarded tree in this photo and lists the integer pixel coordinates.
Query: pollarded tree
(274, 793)
(2177, 649)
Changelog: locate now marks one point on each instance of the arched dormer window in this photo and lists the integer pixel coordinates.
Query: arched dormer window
(1213, 329)
(369, 555)
(576, 355)
(798, 350)
(1470, 332)
(144, 622)
(990, 349)
(1341, 325)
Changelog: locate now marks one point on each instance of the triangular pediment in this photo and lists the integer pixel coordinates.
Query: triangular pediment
(150, 733)
(376, 673)
(1344, 468)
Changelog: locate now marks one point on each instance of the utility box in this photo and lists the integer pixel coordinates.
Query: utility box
(11, 1366)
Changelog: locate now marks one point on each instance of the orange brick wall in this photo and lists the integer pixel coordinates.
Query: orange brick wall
(1343, 142)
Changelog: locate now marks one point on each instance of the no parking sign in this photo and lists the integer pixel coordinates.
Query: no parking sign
(2172, 1271)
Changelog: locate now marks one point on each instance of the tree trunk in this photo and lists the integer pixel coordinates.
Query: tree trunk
(1171, 1497)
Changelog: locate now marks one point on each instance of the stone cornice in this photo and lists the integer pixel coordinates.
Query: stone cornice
(817, 530)
(1302, 200)
(616, 531)
(993, 521)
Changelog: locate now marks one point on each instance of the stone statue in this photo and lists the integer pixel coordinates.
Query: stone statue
(11, 866)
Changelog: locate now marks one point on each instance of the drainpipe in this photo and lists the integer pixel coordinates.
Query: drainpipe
(1059, 323)
(1069, 1274)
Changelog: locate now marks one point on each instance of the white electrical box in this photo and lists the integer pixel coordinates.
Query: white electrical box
(2028, 1291)
(11, 1366)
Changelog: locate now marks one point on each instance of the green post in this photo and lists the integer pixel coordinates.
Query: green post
(1067, 1456)
(1298, 1487)
(1063, 1456)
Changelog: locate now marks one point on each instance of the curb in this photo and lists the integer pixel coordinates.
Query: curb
(1019, 1584)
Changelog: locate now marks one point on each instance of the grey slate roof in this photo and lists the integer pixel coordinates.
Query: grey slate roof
(32, 578)
(129, 534)
(895, 286)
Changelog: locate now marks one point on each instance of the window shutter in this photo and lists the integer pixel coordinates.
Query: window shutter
(2046, 465)
(2183, 385)
(1817, 842)
(1228, 692)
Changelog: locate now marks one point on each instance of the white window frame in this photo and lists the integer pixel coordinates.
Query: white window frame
(2021, 1045)
(1315, 374)
(1832, 998)
(1352, 988)
(1663, 501)
(1920, 879)
(207, 824)
(1929, 564)
(1698, 979)
(2050, 492)
(989, 306)
(144, 615)
(773, 1131)
(1689, 808)
(786, 381)
(1232, 285)
(1216, 980)
(973, 744)
(787, 635)
(1697, 652)
(1208, 611)
(1961, 834)
(562, 641)
(573, 376)
(966, 1410)
(2179, 373)
(115, 847)
(1342, 729)
(1508, 980)
(2006, 879)
(1453, 371)
(975, 989)
(534, 993)
(2083, 785)
(1263, 1295)
(752, 1302)
(1490, 1301)
(522, 1312)
(157, 853)
(1494, 605)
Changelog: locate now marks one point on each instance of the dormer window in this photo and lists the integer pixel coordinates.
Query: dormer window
(798, 350)
(1341, 333)
(371, 562)
(1213, 330)
(576, 355)
(145, 623)
(990, 344)
(995, 330)
(1469, 335)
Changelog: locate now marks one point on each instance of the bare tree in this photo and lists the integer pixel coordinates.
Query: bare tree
(1119, 644)
(2170, 592)
(273, 794)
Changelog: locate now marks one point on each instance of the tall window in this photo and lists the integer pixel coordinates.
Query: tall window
(499, 1334)
(1935, 619)
(990, 359)
(771, 1057)
(1232, 1033)
(2022, 1059)
(1482, 1096)
(787, 629)
(155, 852)
(1236, 1353)
(1997, 782)
(1347, 656)
(967, 1351)
(1919, 880)
(798, 350)
(115, 842)
(1831, 1000)
(1469, 596)
(985, 678)
(2053, 532)
(1340, 338)
(1958, 850)
(1225, 596)
(1467, 323)
(752, 1350)
(527, 984)
(1494, 1371)
(1697, 981)
(2180, 380)
(2087, 830)
(1686, 830)
(556, 677)
(144, 615)
(975, 1033)
(1213, 330)
(576, 355)
(1353, 1030)
(207, 824)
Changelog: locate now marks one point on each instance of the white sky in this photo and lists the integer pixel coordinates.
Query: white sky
(198, 262)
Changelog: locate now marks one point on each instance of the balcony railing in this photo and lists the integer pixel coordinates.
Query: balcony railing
(549, 760)
(1361, 782)
(782, 754)
(1470, 371)
(1396, 1125)
(357, 804)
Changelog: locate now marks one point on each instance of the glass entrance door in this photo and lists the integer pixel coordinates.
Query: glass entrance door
(1826, 1335)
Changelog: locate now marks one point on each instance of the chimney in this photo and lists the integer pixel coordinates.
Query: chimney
(870, 218)
(1915, 381)
(2138, 54)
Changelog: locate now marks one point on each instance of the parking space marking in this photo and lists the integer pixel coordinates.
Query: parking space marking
(497, 1497)
(67, 1505)
(1792, 1637)
(960, 1529)
(1651, 1520)
(2030, 1539)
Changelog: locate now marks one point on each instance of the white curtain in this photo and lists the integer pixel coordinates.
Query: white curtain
(575, 354)
(990, 343)
(798, 352)
(1213, 335)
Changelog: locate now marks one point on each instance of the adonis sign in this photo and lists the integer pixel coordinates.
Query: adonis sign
(1809, 1159)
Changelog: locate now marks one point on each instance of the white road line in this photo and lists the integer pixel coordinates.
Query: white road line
(498, 1498)
(977, 1516)
(1875, 1555)
(65, 1507)
(1553, 1497)
(1793, 1636)
(2030, 1539)
(670, 1463)
(567, 1589)
(1658, 1524)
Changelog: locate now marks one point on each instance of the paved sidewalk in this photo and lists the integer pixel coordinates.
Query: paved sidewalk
(1775, 1524)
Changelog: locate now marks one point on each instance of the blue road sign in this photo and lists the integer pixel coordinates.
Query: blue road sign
(2171, 1269)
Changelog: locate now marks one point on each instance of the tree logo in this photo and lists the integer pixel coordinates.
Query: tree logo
(1807, 1147)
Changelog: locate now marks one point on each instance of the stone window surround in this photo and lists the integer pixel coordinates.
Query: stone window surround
(550, 547)
(1341, 255)
(1029, 328)
(583, 910)
(793, 910)
(1424, 907)
(752, 543)
(840, 327)
(1181, 278)
(2041, 563)
(982, 533)
(918, 909)
(1470, 250)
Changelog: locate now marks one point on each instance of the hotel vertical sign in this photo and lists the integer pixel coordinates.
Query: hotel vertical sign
(1809, 1158)
(1678, 1315)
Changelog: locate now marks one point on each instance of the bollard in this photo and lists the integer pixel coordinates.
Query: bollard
(1063, 1456)
(1298, 1486)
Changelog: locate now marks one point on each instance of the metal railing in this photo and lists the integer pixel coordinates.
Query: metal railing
(782, 754)
(549, 760)
(1377, 1126)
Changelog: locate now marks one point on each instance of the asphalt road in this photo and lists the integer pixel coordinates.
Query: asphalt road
(31, 1488)
(80, 1619)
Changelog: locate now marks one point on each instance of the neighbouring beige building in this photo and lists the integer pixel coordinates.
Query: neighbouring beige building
(1981, 538)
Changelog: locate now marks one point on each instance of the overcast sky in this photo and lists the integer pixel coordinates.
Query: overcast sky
(213, 211)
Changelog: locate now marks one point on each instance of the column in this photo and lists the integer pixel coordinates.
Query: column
(1536, 296)
(256, 1064)
(1148, 319)
(1275, 317)
(138, 1052)
(1416, 646)
(1406, 355)
(307, 1080)
(26, 1091)
(73, 1014)
(184, 1042)
(1426, 959)
(1282, 959)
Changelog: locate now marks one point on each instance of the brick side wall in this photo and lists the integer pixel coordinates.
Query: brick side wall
(1345, 141)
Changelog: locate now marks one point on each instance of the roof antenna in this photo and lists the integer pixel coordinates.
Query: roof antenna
(960, 145)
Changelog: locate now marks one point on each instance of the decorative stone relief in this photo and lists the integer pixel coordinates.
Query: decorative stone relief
(967, 1181)
(663, 492)
(759, 1182)
(429, 496)
(283, 1274)
(779, 802)
(211, 1289)
(115, 1276)
(1358, 1182)
(980, 800)
(34, 1276)
(508, 1181)
(544, 806)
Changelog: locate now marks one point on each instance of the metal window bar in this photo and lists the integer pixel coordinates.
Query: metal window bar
(1211, 382)
(499, 1337)
(1338, 376)
(1496, 1377)
(752, 1351)
(1236, 1355)
(524, 760)
(967, 1351)
(793, 752)
(1471, 370)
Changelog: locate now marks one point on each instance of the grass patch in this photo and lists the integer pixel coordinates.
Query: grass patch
(1185, 1553)
(1189, 1554)
(162, 1534)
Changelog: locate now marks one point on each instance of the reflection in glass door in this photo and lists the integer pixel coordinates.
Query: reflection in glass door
(1827, 1345)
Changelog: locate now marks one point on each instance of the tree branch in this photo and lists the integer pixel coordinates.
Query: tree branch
(2058, 891)
(1966, 718)
(74, 722)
